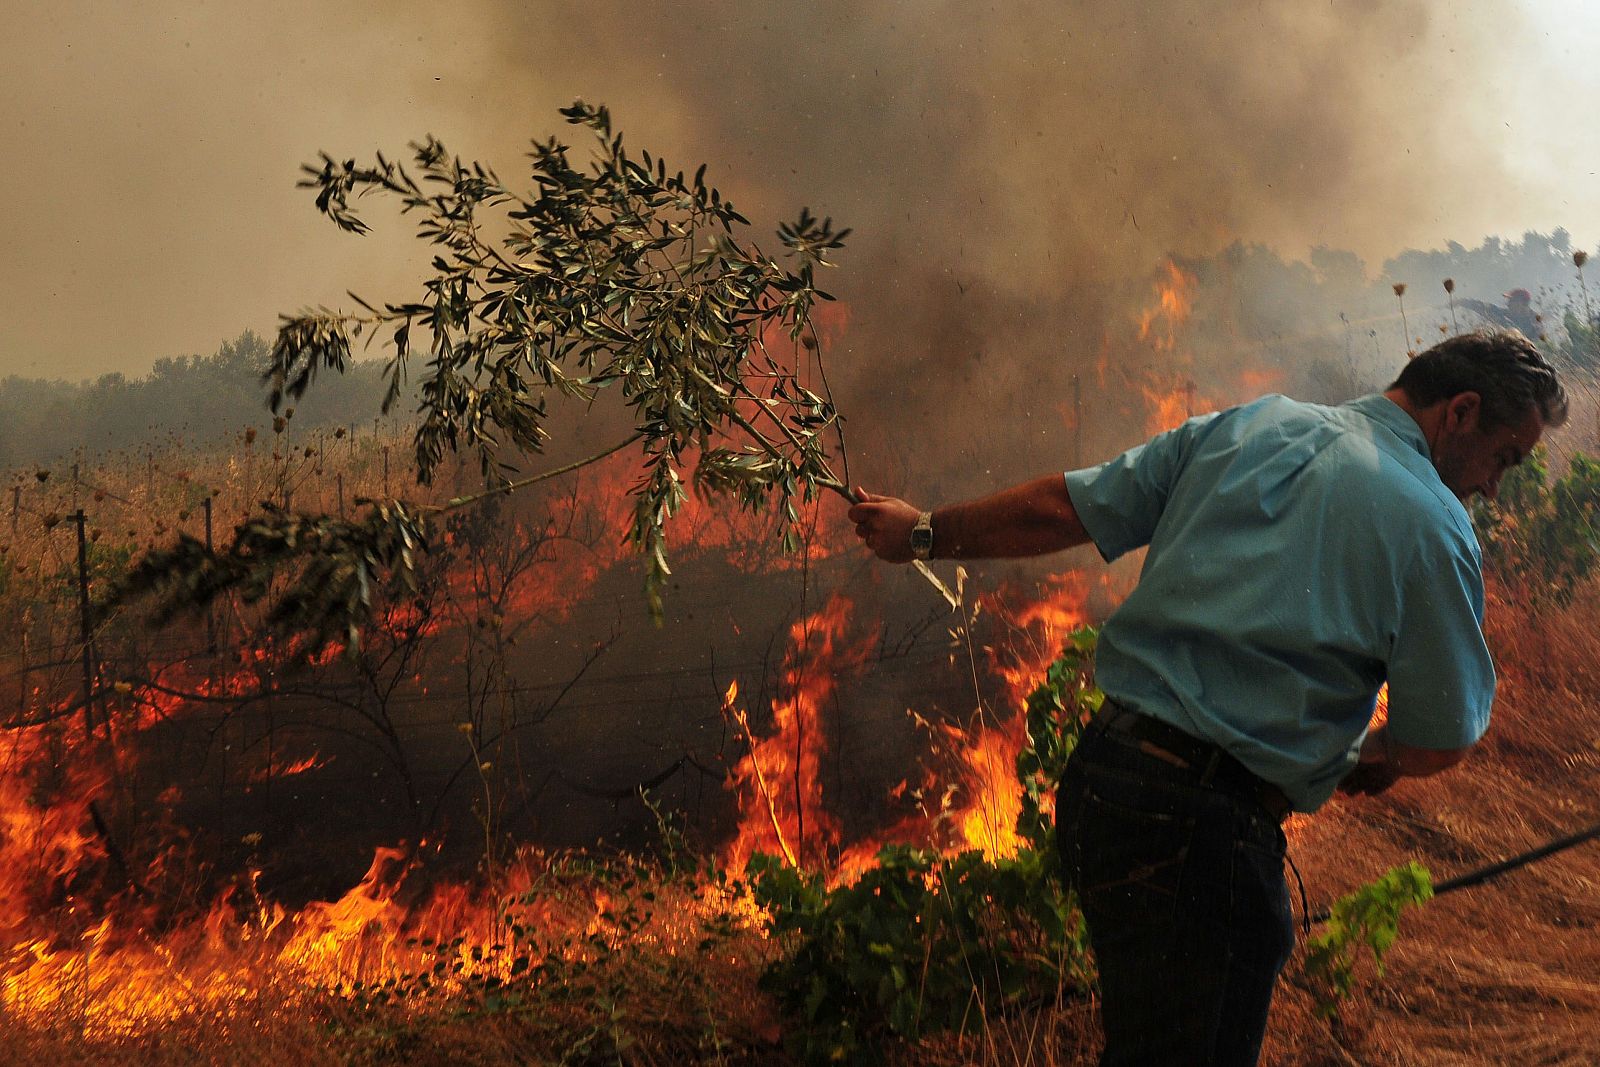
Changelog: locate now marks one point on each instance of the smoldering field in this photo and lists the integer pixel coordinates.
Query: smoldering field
(209, 843)
(1068, 233)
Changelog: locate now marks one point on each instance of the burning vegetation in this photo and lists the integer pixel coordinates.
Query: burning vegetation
(401, 782)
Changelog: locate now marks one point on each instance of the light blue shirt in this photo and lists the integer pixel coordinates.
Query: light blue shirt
(1300, 556)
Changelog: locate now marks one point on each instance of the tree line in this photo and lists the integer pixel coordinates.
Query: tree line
(1322, 312)
(206, 400)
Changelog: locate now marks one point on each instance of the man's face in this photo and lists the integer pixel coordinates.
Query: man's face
(1471, 461)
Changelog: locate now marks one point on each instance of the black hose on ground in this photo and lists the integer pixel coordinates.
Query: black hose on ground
(1494, 870)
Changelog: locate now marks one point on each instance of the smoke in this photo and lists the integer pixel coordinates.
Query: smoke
(1014, 174)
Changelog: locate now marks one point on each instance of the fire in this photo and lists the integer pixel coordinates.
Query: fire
(1168, 389)
(988, 763)
(1258, 381)
(85, 942)
(289, 770)
(778, 782)
(1175, 292)
(1167, 411)
(988, 760)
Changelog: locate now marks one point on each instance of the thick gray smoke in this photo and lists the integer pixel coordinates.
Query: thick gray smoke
(1017, 173)
(1003, 165)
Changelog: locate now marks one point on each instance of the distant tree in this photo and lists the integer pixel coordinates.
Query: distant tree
(1340, 271)
(209, 398)
(621, 279)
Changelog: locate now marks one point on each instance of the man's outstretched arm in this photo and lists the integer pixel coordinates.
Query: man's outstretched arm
(1031, 519)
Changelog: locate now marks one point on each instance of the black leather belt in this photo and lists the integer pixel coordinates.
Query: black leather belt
(1209, 762)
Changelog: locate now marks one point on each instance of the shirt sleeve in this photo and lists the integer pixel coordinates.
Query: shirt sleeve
(1121, 500)
(1441, 678)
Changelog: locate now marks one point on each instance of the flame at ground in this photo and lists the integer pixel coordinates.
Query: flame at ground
(988, 762)
(778, 781)
(113, 972)
(117, 978)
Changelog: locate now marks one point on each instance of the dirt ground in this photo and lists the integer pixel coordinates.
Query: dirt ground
(1503, 973)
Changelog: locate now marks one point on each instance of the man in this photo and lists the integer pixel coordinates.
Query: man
(1299, 557)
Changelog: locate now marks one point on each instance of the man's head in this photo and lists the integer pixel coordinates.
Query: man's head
(1483, 400)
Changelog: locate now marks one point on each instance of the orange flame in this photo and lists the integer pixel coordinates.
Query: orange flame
(1160, 323)
(987, 765)
(778, 781)
(289, 770)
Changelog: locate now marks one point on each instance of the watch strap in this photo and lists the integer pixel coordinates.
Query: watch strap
(922, 537)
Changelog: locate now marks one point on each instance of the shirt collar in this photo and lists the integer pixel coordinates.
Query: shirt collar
(1386, 413)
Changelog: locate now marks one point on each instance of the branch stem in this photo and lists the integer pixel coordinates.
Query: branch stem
(511, 487)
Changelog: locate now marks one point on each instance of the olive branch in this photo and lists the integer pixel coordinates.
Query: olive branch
(615, 276)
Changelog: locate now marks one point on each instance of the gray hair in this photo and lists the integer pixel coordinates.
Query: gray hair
(1503, 367)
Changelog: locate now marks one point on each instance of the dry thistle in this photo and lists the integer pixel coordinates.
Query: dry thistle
(43, 476)
(1400, 295)
(250, 435)
(1449, 285)
(1579, 258)
(1450, 291)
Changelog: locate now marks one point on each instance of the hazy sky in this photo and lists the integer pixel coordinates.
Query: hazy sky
(149, 208)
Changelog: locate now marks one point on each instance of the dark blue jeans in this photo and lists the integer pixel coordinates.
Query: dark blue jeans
(1182, 888)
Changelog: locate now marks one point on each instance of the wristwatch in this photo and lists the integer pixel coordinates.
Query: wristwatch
(922, 537)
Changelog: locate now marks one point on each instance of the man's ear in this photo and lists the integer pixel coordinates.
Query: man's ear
(1462, 412)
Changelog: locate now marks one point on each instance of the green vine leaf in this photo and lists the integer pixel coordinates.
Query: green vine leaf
(1369, 916)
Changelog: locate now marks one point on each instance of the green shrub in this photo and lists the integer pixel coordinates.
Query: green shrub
(1544, 535)
(1369, 916)
(925, 942)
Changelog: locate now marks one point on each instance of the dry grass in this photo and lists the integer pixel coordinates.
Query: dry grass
(1504, 973)
(1507, 973)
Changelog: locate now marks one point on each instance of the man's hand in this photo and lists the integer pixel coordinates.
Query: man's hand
(884, 525)
(1383, 761)
(1374, 771)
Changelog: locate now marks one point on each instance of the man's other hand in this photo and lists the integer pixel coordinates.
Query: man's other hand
(1375, 769)
(884, 525)
(1384, 760)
